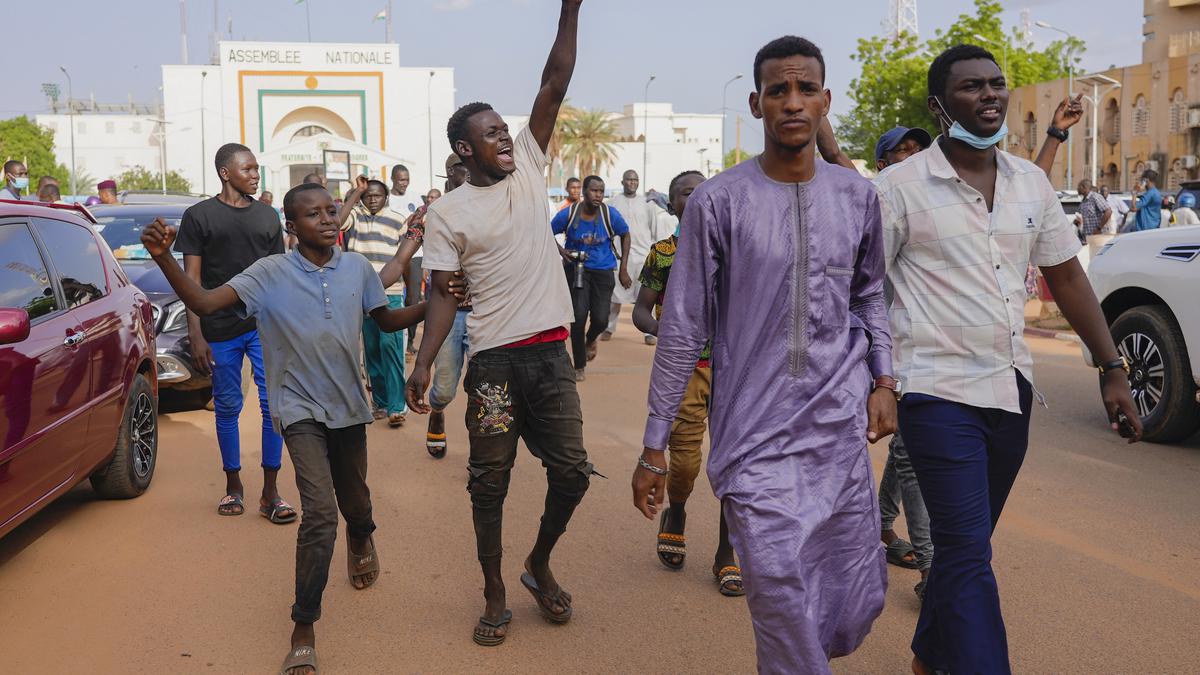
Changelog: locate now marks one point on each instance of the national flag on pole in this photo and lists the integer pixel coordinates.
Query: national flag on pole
(380, 16)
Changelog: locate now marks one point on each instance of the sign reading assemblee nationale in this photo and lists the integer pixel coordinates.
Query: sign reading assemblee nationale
(313, 55)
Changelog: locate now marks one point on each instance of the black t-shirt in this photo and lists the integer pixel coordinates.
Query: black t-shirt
(228, 240)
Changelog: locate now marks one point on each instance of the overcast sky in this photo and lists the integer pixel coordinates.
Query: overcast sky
(498, 47)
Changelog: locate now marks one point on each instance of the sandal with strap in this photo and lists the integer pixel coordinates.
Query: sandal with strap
(897, 554)
(670, 545)
(728, 575)
(278, 512)
(362, 565)
(493, 640)
(435, 445)
(545, 601)
(299, 658)
(231, 505)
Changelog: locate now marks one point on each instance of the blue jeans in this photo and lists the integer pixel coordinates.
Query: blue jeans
(385, 362)
(966, 459)
(448, 365)
(228, 400)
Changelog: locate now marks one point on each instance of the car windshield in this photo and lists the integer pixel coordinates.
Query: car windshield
(124, 233)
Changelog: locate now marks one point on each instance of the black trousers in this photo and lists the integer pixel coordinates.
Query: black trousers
(595, 299)
(331, 476)
(523, 393)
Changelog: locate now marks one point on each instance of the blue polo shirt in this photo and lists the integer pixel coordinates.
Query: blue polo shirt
(309, 321)
(590, 236)
(1149, 210)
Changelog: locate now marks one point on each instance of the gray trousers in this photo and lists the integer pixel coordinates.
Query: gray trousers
(899, 485)
(331, 476)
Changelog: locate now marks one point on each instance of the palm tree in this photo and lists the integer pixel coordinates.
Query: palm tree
(566, 115)
(589, 141)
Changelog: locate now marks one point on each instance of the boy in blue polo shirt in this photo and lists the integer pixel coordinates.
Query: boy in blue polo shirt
(590, 227)
(310, 302)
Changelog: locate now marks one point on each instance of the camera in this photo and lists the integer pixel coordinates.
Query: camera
(578, 258)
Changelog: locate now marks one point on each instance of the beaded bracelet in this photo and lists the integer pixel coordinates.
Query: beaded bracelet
(650, 467)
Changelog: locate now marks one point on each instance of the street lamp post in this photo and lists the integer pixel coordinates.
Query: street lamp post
(71, 118)
(725, 109)
(1070, 84)
(1096, 81)
(646, 133)
(203, 164)
(429, 122)
(1003, 64)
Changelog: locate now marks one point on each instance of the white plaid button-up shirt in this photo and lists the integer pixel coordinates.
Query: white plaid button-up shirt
(956, 274)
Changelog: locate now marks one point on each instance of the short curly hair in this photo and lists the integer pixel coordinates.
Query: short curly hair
(456, 128)
(939, 70)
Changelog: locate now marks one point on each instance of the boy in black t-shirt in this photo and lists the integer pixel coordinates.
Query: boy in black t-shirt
(219, 238)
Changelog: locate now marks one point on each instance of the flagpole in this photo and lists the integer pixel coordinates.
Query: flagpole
(389, 21)
(308, 20)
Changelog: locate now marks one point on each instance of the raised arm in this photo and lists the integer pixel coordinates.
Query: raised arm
(557, 75)
(351, 200)
(827, 145)
(157, 237)
(1067, 115)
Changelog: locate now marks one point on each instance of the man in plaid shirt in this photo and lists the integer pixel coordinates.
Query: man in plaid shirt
(1094, 211)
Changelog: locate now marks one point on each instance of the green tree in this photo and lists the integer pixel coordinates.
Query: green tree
(566, 115)
(23, 139)
(731, 157)
(140, 178)
(891, 88)
(589, 141)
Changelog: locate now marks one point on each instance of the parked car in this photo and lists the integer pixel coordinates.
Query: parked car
(121, 227)
(1188, 186)
(157, 197)
(1147, 283)
(76, 364)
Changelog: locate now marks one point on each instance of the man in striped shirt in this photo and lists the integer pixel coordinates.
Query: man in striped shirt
(373, 231)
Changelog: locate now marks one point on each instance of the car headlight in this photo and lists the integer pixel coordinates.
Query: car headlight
(176, 317)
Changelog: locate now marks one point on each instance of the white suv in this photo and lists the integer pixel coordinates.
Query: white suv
(1149, 286)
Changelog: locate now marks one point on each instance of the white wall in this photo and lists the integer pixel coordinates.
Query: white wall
(181, 109)
(105, 144)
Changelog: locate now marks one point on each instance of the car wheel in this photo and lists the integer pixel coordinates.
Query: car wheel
(1160, 374)
(132, 466)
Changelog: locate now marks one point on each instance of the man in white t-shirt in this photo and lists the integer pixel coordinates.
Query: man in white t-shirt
(642, 217)
(520, 381)
(403, 204)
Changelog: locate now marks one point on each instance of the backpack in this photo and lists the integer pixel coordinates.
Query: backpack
(605, 217)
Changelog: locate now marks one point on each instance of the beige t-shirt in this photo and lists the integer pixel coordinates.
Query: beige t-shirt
(500, 237)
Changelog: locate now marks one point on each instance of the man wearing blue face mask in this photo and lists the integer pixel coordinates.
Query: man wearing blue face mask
(961, 222)
(16, 179)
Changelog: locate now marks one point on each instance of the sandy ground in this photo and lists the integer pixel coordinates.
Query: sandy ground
(1097, 559)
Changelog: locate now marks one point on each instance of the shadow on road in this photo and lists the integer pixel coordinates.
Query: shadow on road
(31, 530)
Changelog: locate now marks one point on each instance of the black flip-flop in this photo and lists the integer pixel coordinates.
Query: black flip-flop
(896, 552)
(530, 583)
(493, 640)
(278, 512)
(231, 505)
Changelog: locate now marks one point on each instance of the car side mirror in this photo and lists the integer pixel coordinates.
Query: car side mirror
(14, 325)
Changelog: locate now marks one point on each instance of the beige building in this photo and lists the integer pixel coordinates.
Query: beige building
(1152, 121)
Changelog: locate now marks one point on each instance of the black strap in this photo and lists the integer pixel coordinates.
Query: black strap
(605, 217)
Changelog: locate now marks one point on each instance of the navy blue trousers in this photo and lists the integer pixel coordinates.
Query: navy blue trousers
(966, 460)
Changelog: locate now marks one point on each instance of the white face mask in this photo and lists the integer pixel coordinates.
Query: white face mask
(974, 140)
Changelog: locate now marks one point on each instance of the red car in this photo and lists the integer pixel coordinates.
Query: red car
(78, 392)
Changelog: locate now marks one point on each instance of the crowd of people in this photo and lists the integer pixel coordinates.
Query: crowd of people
(893, 306)
(16, 187)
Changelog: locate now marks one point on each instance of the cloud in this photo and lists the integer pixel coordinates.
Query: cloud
(452, 5)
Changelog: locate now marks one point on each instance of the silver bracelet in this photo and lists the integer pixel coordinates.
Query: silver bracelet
(650, 467)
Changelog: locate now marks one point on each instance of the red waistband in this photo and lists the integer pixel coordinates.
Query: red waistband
(703, 363)
(552, 335)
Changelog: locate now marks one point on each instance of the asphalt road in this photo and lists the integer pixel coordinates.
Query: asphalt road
(1097, 557)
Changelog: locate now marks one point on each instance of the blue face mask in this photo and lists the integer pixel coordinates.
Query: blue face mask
(21, 182)
(959, 132)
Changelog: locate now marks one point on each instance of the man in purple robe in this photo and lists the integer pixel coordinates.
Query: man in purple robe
(781, 264)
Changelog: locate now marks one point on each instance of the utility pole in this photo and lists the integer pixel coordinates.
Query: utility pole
(203, 162)
(737, 153)
(646, 133)
(183, 48)
(429, 122)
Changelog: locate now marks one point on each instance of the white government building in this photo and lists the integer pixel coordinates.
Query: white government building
(289, 102)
